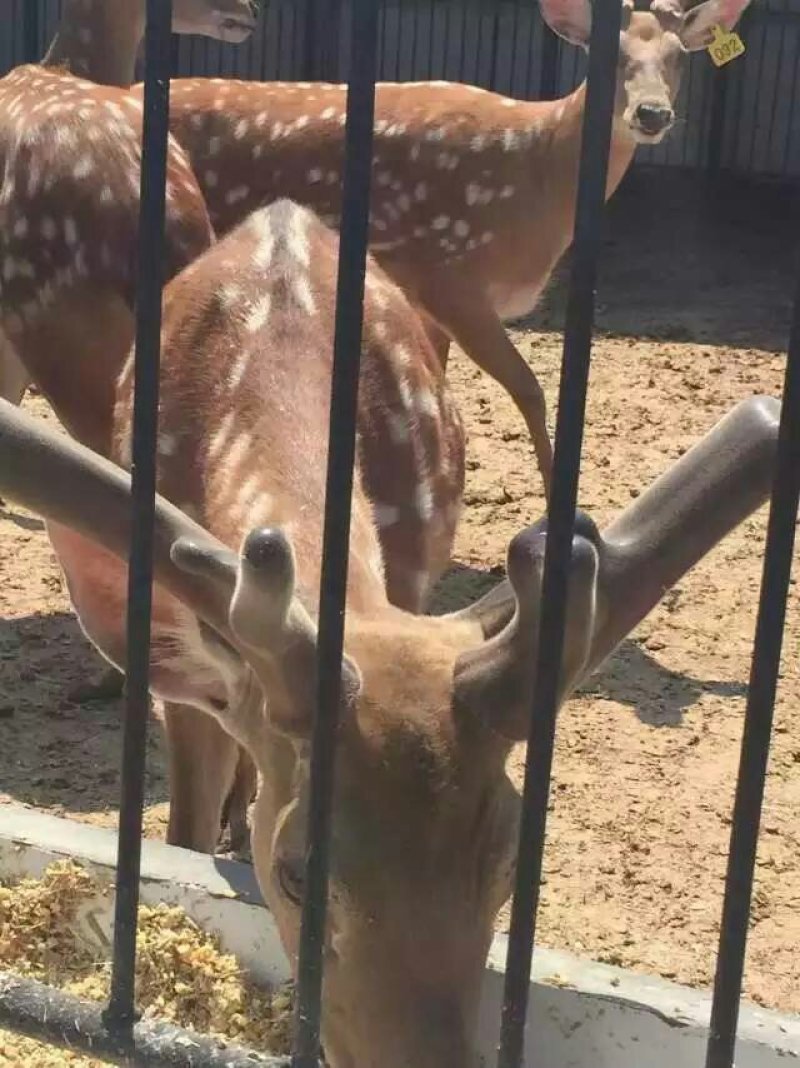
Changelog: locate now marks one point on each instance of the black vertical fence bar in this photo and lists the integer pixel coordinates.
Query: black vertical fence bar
(758, 716)
(30, 31)
(335, 550)
(548, 72)
(716, 125)
(120, 1013)
(589, 217)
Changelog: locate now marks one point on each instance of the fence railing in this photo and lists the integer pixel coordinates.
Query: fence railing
(116, 1035)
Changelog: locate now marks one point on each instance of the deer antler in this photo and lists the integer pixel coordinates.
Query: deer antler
(247, 600)
(618, 577)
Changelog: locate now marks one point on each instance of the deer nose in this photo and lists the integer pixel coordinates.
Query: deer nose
(653, 118)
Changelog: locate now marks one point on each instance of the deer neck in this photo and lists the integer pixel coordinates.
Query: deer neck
(98, 40)
(563, 133)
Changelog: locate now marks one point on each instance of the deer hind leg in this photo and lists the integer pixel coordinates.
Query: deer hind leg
(106, 686)
(239, 799)
(439, 339)
(203, 762)
(14, 378)
(476, 328)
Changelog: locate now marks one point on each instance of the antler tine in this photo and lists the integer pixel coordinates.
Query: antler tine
(64, 482)
(672, 10)
(714, 487)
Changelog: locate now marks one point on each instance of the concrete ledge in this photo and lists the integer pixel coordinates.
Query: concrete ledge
(582, 1014)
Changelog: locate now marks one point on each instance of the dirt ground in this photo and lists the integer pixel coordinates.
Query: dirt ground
(693, 313)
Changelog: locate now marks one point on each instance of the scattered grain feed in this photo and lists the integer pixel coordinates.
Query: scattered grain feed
(182, 975)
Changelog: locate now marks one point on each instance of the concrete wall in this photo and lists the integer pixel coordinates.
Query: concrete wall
(581, 1014)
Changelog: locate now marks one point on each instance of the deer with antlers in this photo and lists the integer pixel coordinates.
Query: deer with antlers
(473, 198)
(424, 817)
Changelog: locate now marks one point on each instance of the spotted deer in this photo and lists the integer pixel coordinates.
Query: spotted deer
(424, 819)
(473, 199)
(72, 123)
(69, 202)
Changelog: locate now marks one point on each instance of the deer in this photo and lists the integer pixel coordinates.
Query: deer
(424, 818)
(84, 272)
(473, 200)
(70, 136)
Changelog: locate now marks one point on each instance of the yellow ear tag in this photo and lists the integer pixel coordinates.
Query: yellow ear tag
(725, 47)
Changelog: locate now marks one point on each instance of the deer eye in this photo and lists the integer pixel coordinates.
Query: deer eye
(291, 874)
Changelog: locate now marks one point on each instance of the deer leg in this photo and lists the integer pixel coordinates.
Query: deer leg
(439, 339)
(475, 327)
(242, 793)
(106, 686)
(14, 378)
(203, 761)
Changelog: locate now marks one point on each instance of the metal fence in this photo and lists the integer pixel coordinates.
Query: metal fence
(115, 1035)
(741, 118)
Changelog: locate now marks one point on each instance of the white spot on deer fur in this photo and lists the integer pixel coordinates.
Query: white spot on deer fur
(461, 228)
(380, 225)
(510, 140)
(404, 202)
(70, 231)
(239, 368)
(420, 231)
(424, 497)
(240, 129)
(302, 291)
(487, 237)
(478, 143)
(420, 191)
(217, 443)
(328, 113)
(383, 178)
(258, 315)
(261, 120)
(414, 152)
(507, 102)
(436, 134)
(399, 428)
(230, 295)
(83, 168)
(472, 193)
(211, 178)
(196, 121)
(506, 192)
(332, 177)
(441, 222)
(301, 122)
(401, 355)
(386, 515)
(314, 175)
(167, 444)
(427, 404)
(239, 193)
(20, 227)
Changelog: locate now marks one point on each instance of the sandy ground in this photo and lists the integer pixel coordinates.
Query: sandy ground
(693, 312)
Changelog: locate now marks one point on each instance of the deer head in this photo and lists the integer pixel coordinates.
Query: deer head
(226, 20)
(652, 47)
(424, 822)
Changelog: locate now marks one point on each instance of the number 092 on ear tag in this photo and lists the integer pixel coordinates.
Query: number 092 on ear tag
(725, 47)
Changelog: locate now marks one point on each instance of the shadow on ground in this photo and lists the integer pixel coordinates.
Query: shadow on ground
(632, 676)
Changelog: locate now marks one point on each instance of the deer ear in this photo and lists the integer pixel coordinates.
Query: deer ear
(697, 31)
(570, 19)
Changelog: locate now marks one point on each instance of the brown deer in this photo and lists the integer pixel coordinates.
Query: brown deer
(96, 41)
(473, 194)
(424, 818)
(69, 199)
